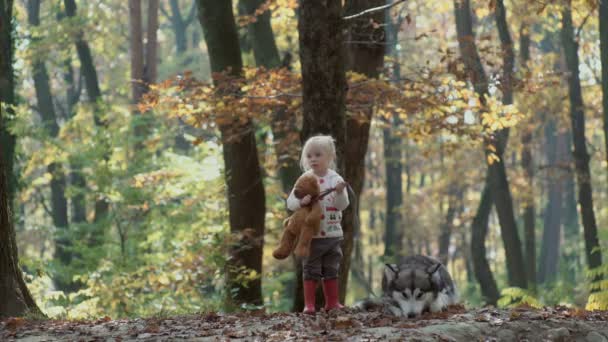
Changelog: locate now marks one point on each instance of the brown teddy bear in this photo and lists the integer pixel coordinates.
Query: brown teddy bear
(304, 223)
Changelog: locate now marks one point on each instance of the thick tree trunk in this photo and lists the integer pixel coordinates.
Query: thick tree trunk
(527, 164)
(87, 67)
(498, 182)
(7, 94)
(322, 56)
(46, 107)
(603, 12)
(550, 248)
(16, 299)
(581, 156)
(246, 198)
(283, 123)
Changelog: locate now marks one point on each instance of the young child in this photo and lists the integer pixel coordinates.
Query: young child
(319, 158)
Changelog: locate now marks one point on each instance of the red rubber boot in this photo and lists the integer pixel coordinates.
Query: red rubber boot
(310, 287)
(330, 290)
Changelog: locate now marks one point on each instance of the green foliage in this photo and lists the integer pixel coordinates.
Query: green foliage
(514, 296)
(598, 298)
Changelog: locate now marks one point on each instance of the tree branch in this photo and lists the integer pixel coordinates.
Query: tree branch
(580, 28)
(371, 10)
(164, 11)
(191, 15)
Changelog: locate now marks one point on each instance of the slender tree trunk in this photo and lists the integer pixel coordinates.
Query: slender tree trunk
(137, 50)
(179, 24)
(16, 298)
(549, 252)
(246, 198)
(603, 13)
(455, 195)
(87, 67)
(498, 182)
(581, 156)
(393, 233)
(527, 164)
(46, 107)
(479, 232)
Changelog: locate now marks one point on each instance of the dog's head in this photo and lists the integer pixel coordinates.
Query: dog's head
(414, 289)
(307, 184)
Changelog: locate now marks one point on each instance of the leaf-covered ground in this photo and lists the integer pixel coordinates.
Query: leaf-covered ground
(457, 324)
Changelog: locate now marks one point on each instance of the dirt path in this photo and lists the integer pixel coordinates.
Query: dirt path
(549, 324)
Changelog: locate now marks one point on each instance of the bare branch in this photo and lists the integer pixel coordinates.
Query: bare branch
(191, 14)
(371, 10)
(164, 11)
(580, 28)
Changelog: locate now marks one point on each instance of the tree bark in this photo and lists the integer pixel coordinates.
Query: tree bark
(137, 50)
(7, 94)
(550, 248)
(322, 56)
(393, 233)
(479, 232)
(527, 164)
(87, 67)
(603, 19)
(46, 108)
(179, 24)
(16, 298)
(498, 182)
(246, 198)
(581, 156)
(366, 59)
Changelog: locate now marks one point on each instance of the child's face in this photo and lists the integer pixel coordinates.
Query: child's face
(318, 160)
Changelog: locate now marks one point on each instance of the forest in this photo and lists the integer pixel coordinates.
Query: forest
(147, 149)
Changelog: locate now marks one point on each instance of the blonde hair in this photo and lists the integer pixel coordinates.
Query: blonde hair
(325, 143)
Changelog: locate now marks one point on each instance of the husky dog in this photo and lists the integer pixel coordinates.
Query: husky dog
(416, 284)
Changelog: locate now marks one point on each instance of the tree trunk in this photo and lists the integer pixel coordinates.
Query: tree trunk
(498, 182)
(16, 298)
(46, 107)
(393, 233)
(366, 59)
(549, 252)
(603, 12)
(479, 231)
(151, 48)
(246, 198)
(581, 157)
(322, 56)
(179, 25)
(283, 124)
(528, 166)
(7, 94)
(87, 67)
(455, 196)
(137, 51)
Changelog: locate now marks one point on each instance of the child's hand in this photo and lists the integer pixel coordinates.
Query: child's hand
(305, 200)
(340, 186)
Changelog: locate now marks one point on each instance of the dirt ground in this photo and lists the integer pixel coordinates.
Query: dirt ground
(456, 324)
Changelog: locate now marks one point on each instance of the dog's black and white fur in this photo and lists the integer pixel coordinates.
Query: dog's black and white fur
(415, 285)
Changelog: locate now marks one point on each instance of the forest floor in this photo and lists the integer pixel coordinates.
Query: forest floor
(456, 324)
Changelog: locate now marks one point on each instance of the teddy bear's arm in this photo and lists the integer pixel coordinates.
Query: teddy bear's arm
(293, 203)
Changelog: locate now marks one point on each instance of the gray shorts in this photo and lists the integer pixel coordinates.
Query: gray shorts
(324, 259)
